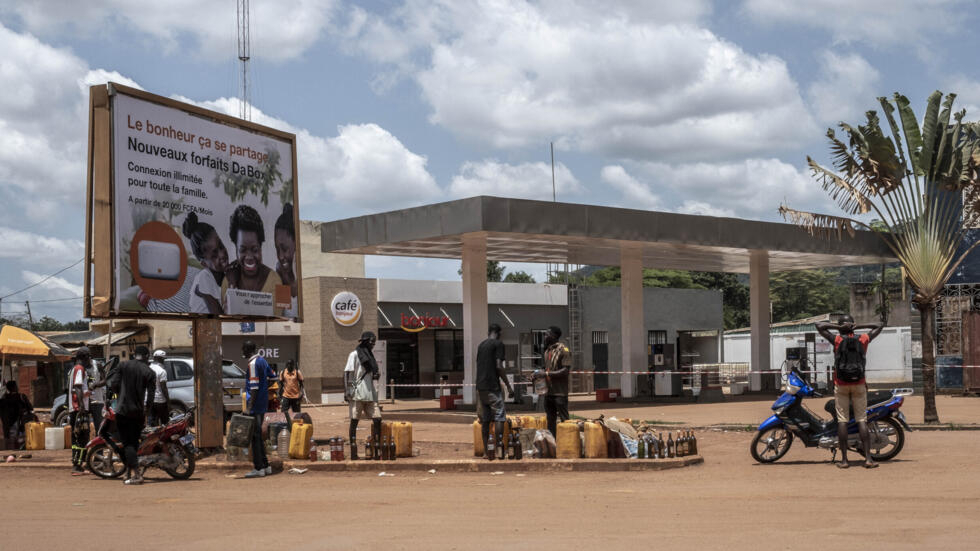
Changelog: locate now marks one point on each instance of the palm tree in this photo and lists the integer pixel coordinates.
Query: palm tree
(915, 188)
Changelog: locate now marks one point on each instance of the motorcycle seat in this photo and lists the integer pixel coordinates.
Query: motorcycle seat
(875, 397)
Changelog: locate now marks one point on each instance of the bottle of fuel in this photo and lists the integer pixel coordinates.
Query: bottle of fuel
(680, 444)
(641, 448)
(671, 450)
(491, 448)
(368, 448)
(394, 450)
(663, 446)
(694, 443)
(502, 447)
(518, 449)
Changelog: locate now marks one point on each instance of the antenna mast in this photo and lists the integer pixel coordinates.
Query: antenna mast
(244, 54)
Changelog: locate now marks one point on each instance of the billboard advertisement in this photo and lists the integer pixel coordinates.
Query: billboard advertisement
(203, 212)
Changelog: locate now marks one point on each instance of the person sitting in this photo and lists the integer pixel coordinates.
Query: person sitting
(15, 411)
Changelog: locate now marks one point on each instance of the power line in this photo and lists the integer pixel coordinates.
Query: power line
(57, 299)
(43, 280)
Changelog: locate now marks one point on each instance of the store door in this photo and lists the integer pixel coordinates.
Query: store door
(403, 365)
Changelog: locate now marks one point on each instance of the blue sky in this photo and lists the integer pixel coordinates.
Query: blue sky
(697, 106)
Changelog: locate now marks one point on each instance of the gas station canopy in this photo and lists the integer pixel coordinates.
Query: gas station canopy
(519, 230)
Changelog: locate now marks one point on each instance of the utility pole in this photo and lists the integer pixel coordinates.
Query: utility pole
(244, 54)
(30, 318)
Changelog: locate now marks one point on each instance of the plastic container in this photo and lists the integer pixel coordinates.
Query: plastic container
(401, 431)
(54, 438)
(478, 450)
(240, 431)
(67, 430)
(282, 444)
(567, 443)
(595, 441)
(299, 440)
(34, 435)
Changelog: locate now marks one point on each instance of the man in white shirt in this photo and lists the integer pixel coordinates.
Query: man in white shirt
(360, 390)
(160, 411)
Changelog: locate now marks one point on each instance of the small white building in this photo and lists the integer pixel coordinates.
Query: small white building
(889, 356)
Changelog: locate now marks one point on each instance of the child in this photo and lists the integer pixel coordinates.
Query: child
(211, 252)
(285, 239)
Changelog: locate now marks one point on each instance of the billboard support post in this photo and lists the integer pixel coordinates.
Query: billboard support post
(208, 392)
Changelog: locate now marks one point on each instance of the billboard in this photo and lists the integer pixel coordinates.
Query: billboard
(191, 212)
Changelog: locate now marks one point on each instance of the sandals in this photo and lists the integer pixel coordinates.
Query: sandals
(870, 465)
(133, 481)
(842, 464)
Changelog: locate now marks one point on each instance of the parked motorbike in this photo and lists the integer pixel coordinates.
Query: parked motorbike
(169, 447)
(790, 419)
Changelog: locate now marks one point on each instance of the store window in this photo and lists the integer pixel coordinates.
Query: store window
(449, 350)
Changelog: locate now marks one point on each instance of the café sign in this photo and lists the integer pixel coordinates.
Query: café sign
(346, 308)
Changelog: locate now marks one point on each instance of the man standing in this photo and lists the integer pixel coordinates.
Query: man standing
(557, 364)
(160, 411)
(78, 409)
(134, 384)
(15, 410)
(259, 374)
(97, 398)
(850, 388)
(489, 373)
(360, 390)
(291, 381)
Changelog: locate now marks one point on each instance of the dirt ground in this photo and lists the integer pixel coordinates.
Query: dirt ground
(925, 498)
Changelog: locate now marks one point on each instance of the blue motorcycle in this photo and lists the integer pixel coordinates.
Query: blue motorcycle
(886, 424)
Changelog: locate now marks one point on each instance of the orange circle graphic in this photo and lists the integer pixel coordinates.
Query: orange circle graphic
(158, 260)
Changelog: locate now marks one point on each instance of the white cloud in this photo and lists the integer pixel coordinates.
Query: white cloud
(363, 166)
(877, 22)
(523, 181)
(512, 74)
(846, 87)
(753, 188)
(634, 192)
(55, 287)
(967, 92)
(40, 249)
(279, 30)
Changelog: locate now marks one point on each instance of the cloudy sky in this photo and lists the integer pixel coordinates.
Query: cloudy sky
(695, 106)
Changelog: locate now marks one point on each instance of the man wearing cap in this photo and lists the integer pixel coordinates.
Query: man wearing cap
(134, 384)
(78, 409)
(360, 376)
(160, 410)
(557, 364)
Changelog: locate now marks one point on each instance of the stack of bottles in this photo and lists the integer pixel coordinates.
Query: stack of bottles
(382, 450)
(653, 446)
(504, 446)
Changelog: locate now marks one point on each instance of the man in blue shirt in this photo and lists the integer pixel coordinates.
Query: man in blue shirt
(259, 374)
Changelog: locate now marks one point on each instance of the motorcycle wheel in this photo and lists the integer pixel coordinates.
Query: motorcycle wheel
(186, 468)
(104, 463)
(771, 444)
(889, 441)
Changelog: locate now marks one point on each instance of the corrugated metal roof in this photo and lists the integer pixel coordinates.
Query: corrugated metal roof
(792, 326)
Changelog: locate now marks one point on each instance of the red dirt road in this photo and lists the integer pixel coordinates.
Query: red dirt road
(929, 497)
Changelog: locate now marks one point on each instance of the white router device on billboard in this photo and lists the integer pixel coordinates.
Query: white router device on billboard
(158, 260)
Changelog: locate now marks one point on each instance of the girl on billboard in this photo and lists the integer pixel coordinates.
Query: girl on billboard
(285, 240)
(211, 252)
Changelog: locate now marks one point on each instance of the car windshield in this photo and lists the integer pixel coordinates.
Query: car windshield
(229, 370)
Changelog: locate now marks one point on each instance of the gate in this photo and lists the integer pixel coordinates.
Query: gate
(971, 351)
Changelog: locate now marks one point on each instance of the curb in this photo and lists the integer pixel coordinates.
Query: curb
(441, 465)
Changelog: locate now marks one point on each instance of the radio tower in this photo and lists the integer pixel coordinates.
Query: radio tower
(244, 53)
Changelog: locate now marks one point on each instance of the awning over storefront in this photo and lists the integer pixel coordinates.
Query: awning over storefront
(117, 336)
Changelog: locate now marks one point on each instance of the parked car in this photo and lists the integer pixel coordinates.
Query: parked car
(180, 385)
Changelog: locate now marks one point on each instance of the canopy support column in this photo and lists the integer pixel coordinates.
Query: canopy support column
(475, 310)
(759, 314)
(634, 339)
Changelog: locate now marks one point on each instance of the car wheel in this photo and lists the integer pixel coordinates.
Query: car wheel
(60, 418)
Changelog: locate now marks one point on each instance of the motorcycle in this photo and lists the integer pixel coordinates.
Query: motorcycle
(886, 424)
(169, 447)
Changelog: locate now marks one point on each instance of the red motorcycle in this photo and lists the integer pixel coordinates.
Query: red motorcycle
(170, 448)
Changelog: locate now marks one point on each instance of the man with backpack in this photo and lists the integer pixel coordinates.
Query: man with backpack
(851, 390)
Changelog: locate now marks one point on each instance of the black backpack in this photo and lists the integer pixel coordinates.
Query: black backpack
(849, 360)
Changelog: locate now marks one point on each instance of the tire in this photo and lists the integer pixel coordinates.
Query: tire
(104, 463)
(186, 469)
(774, 443)
(60, 418)
(891, 430)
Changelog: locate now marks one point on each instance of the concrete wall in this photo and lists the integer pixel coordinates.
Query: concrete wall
(863, 304)
(670, 310)
(317, 263)
(325, 344)
(889, 356)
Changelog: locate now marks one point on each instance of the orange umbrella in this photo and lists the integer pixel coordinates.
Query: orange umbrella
(17, 343)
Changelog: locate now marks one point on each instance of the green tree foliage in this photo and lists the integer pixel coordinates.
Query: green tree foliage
(238, 186)
(519, 277)
(805, 293)
(495, 272)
